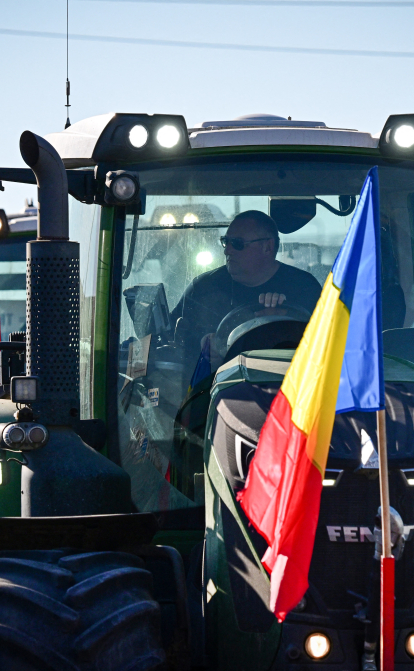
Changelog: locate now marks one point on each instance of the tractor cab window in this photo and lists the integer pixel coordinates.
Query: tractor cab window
(13, 284)
(84, 228)
(173, 256)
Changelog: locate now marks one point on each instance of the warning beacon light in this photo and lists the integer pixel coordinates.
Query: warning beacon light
(397, 136)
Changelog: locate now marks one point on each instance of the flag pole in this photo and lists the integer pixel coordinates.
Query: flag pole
(387, 560)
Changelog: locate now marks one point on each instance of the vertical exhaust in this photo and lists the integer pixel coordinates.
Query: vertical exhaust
(52, 287)
(52, 183)
(65, 476)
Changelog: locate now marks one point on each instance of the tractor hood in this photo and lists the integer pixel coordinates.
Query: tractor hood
(342, 561)
(243, 408)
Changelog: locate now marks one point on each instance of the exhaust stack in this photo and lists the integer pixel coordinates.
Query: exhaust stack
(64, 476)
(52, 183)
(52, 287)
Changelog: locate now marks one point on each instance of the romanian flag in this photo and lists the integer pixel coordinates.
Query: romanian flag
(336, 368)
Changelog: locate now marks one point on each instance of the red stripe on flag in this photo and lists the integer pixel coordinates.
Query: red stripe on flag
(281, 499)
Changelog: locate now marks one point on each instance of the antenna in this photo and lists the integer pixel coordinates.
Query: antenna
(67, 124)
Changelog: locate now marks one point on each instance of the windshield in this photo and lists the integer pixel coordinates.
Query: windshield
(184, 311)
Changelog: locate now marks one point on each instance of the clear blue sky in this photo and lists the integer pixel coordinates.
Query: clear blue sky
(200, 83)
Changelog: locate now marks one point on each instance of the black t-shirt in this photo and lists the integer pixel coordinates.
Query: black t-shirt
(212, 295)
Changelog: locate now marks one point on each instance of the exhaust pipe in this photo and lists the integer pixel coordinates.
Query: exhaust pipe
(52, 287)
(52, 183)
(64, 476)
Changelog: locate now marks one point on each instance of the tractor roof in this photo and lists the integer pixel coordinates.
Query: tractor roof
(78, 144)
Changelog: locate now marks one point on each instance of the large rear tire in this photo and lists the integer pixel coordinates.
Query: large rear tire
(65, 611)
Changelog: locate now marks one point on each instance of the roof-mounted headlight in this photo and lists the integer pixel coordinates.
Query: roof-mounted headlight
(168, 136)
(138, 136)
(129, 138)
(397, 136)
(404, 136)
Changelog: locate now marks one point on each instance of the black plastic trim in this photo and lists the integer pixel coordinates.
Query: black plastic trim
(113, 338)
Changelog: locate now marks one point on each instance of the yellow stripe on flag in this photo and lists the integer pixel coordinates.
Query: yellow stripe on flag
(312, 381)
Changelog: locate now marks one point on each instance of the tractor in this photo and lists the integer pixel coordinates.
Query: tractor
(123, 445)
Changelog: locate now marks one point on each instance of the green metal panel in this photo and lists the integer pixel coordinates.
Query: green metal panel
(397, 370)
(228, 647)
(284, 149)
(102, 307)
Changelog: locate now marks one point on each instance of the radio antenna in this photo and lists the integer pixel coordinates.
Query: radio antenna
(67, 124)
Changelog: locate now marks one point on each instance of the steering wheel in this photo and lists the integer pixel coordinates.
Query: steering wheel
(243, 318)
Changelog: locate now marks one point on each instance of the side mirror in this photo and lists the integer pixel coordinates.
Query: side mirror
(291, 214)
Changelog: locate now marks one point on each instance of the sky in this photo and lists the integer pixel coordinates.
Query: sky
(203, 59)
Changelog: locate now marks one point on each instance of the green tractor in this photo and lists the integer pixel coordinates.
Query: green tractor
(133, 400)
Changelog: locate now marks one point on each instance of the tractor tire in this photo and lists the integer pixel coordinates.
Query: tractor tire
(65, 611)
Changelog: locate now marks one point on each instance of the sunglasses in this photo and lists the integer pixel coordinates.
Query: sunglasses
(238, 243)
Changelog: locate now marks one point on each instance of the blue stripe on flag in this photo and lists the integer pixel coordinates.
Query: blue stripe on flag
(357, 273)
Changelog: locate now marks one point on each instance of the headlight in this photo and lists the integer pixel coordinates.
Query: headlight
(138, 136)
(190, 218)
(204, 258)
(409, 645)
(24, 389)
(168, 136)
(129, 137)
(124, 188)
(168, 219)
(397, 136)
(404, 136)
(317, 645)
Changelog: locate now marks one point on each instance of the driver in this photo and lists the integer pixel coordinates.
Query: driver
(252, 274)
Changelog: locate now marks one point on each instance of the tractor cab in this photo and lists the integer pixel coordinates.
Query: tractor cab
(182, 352)
(169, 208)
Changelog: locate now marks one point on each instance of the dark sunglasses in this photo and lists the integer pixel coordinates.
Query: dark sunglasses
(238, 243)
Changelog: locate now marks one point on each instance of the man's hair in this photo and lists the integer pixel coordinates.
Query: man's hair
(264, 221)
